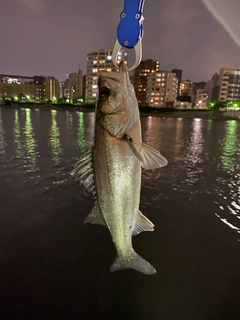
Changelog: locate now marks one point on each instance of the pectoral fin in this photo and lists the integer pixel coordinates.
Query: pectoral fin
(148, 156)
(142, 224)
(95, 217)
(132, 147)
(151, 158)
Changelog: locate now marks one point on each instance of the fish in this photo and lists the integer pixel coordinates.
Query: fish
(111, 169)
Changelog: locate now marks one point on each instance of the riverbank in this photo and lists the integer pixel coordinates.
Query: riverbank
(144, 111)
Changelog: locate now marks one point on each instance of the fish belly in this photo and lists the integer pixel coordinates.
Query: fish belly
(118, 182)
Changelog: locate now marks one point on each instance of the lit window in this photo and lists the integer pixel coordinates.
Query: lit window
(109, 57)
(94, 70)
(94, 86)
(94, 61)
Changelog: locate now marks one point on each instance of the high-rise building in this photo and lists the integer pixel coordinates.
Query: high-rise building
(73, 85)
(178, 73)
(37, 88)
(211, 87)
(98, 61)
(51, 88)
(140, 78)
(62, 88)
(79, 85)
(187, 89)
(162, 88)
(229, 84)
(84, 87)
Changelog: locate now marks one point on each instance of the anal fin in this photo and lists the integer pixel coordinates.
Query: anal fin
(142, 224)
(95, 216)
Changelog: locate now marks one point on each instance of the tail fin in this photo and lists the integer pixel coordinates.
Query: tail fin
(134, 262)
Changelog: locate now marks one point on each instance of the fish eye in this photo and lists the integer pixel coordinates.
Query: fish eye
(104, 93)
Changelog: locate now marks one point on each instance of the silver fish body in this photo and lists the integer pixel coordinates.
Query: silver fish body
(114, 164)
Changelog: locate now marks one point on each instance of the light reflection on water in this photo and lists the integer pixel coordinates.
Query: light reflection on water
(81, 128)
(30, 143)
(203, 155)
(2, 139)
(193, 156)
(228, 183)
(230, 145)
(54, 139)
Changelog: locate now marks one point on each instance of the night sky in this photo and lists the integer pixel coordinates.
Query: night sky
(52, 37)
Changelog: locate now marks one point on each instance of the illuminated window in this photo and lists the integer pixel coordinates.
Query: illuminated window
(109, 57)
(94, 70)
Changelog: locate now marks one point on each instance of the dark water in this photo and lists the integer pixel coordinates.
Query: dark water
(53, 266)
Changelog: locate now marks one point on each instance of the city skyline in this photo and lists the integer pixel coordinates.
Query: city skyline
(53, 37)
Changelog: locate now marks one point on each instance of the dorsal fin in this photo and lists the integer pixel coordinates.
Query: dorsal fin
(83, 171)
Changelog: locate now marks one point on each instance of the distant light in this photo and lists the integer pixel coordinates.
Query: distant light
(94, 86)
(109, 57)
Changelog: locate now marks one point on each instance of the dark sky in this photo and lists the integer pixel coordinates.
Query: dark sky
(52, 37)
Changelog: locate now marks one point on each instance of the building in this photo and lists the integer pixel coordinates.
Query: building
(72, 87)
(84, 87)
(36, 88)
(162, 89)
(62, 89)
(140, 78)
(212, 88)
(52, 89)
(98, 61)
(187, 88)
(201, 98)
(229, 84)
(178, 73)
(79, 85)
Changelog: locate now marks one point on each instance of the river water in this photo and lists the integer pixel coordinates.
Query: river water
(53, 266)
